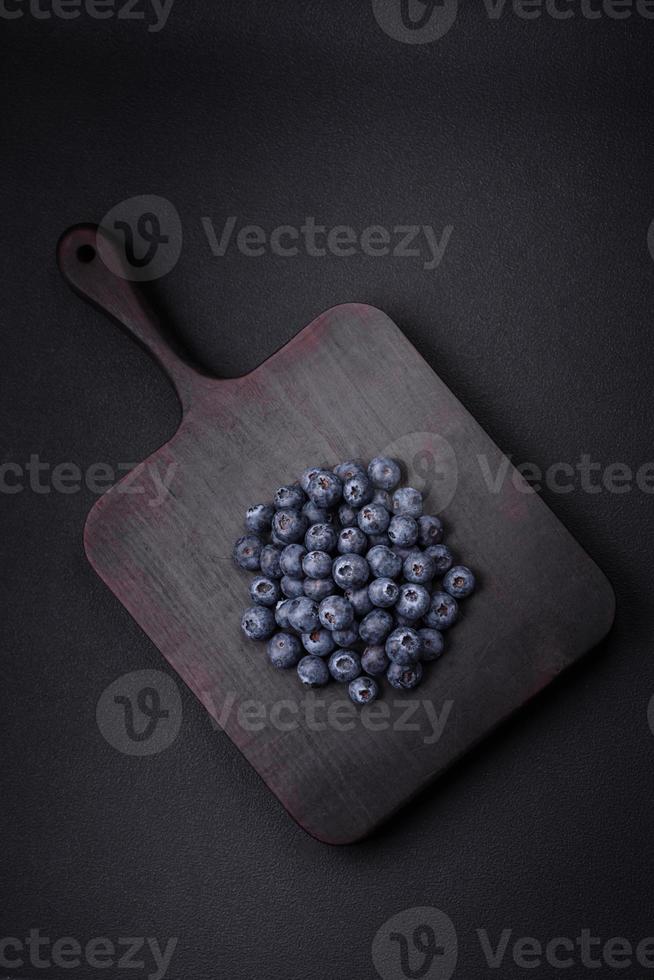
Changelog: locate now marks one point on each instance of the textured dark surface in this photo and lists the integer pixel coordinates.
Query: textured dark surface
(534, 140)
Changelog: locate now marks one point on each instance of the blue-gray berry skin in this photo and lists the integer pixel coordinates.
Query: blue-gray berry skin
(384, 473)
(349, 469)
(281, 614)
(319, 643)
(403, 531)
(317, 564)
(289, 526)
(336, 613)
(350, 571)
(313, 671)
(321, 537)
(407, 501)
(363, 690)
(347, 516)
(433, 644)
(352, 541)
(377, 539)
(413, 601)
(383, 562)
(430, 531)
(284, 650)
(404, 646)
(374, 660)
(277, 541)
(383, 592)
(303, 614)
(402, 553)
(346, 638)
(360, 600)
(290, 498)
(384, 498)
(325, 489)
(319, 588)
(308, 475)
(258, 518)
(443, 611)
(258, 623)
(291, 587)
(418, 568)
(269, 561)
(441, 556)
(314, 514)
(344, 665)
(357, 491)
(290, 560)
(264, 591)
(404, 678)
(373, 519)
(405, 621)
(459, 582)
(375, 627)
(247, 552)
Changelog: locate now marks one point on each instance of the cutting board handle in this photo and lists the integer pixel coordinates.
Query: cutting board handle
(90, 272)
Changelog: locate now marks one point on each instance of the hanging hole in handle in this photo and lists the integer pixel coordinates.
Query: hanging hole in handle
(86, 253)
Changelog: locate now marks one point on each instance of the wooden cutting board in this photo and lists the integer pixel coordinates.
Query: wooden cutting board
(348, 385)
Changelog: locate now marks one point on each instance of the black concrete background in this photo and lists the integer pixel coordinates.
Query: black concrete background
(533, 139)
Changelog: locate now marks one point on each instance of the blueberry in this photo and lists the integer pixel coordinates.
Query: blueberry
(350, 469)
(373, 519)
(308, 475)
(376, 626)
(247, 551)
(443, 611)
(344, 665)
(441, 556)
(346, 638)
(360, 600)
(413, 601)
(325, 489)
(258, 518)
(350, 571)
(319, 588)
(383, 592)
(289, 526)
(404, 646)
(290, 560)
(317, 564)
(407, 501)
(418, 568)
(383, 562)
(402, 553)
(289, 498)
(357, 491)
(258, 623)
(352, 541)
(321, 537)
(430, 531)
(404, 678)
(336, 613)
(314, 514)
(347, 515)
(319, 643)
(405, 621)
(363, 690)
(277, 541)
(269, 561)
(374, 660)
(313, 672)
(284, 650)
(403, 531)
(459, 582)
(264, 591)
(303, 614)
(292, 587)
(281, 613)
(384, 473)
(384, 498)
(433, 644)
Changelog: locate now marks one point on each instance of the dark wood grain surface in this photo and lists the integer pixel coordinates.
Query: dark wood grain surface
(350, 384)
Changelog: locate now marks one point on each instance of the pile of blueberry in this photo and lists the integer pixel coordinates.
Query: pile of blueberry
(355, 581)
